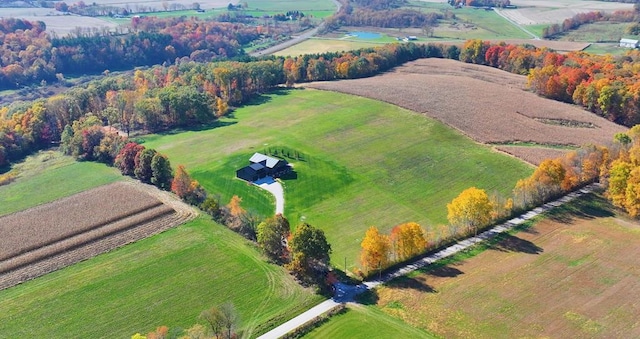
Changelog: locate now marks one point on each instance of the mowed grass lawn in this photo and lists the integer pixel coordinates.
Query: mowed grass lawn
(365, 322)
(366, 163)
(573, 274)
(167, 280)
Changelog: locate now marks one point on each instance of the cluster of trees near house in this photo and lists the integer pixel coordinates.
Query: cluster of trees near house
(591, 17)
(28, 55)
(617, 167)
(603, 84)
(305, 252)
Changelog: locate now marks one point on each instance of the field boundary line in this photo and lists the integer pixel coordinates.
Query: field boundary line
(58, 260)
(459, 246)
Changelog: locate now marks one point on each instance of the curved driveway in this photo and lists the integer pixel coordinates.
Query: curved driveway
(275, 188)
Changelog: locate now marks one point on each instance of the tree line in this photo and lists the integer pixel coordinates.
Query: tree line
(590, 17)
(616, 166)
(605, 85)
(28, 55)
(185, 94)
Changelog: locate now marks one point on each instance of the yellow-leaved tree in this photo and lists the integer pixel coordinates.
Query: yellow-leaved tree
(471, 209)
(375, 250)
(408, 240)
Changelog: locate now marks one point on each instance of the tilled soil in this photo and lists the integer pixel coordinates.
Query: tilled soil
(51, 236)
(484, 103)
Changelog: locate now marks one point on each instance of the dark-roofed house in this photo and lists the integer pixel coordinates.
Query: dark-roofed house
(262, 166)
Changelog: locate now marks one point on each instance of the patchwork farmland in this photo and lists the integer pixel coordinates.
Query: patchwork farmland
(573, 274)
(488, 105)
(45, 238)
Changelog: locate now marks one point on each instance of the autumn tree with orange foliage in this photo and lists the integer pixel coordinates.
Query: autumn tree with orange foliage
(471, 209)
(186, 188)
(376, 250)
(408, 240)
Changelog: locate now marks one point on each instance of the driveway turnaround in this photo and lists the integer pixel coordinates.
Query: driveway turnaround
(275, 188)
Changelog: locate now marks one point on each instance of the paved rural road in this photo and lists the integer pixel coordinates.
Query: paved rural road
(274, 188)
(346, 293)
(535, 37)
(300, 320)
(294, 39)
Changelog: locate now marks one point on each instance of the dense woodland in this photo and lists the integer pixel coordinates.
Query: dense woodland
(28, 55)
(380, 13)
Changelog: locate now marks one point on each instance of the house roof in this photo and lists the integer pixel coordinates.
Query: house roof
(256, 166)
(628, 41)
(270, 162)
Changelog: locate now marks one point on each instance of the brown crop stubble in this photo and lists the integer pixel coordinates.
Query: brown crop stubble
(488, 105)
(48, 237)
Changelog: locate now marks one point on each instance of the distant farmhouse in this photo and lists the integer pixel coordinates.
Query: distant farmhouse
(261, 166)
(629, 43)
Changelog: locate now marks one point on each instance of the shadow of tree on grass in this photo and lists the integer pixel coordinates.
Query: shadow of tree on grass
(589, 206)
(510, 243)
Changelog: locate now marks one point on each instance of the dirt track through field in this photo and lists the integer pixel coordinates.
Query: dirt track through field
(85, 226)
(488, 105)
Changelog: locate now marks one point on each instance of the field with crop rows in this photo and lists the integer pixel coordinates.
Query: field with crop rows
(44, 238)
(489, 105)
(573, 274)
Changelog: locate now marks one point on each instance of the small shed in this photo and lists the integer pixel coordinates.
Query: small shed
(628, 43)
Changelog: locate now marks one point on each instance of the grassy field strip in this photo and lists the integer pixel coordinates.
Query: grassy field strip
(467, 243)
(365, 322)
(48, 176)
(167, 279)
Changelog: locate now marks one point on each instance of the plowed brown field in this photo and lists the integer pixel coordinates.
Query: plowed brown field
(45, 238)
(488, 105)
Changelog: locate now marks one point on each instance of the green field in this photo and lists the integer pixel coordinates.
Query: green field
(366, 322)
(367, 163)
(606, 48)
(48, 176)
(605, 31)
(315, 45)
(167, 280)
(481, 24)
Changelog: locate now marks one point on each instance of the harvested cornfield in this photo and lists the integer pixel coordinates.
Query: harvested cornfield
(487, 104)
(532, 155)
(45, 238)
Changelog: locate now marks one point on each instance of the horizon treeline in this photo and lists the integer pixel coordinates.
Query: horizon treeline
(28, 55)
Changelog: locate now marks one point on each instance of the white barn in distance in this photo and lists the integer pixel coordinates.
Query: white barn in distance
(629, 43)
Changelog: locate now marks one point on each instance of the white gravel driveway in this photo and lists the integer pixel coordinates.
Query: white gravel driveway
(269, 184)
